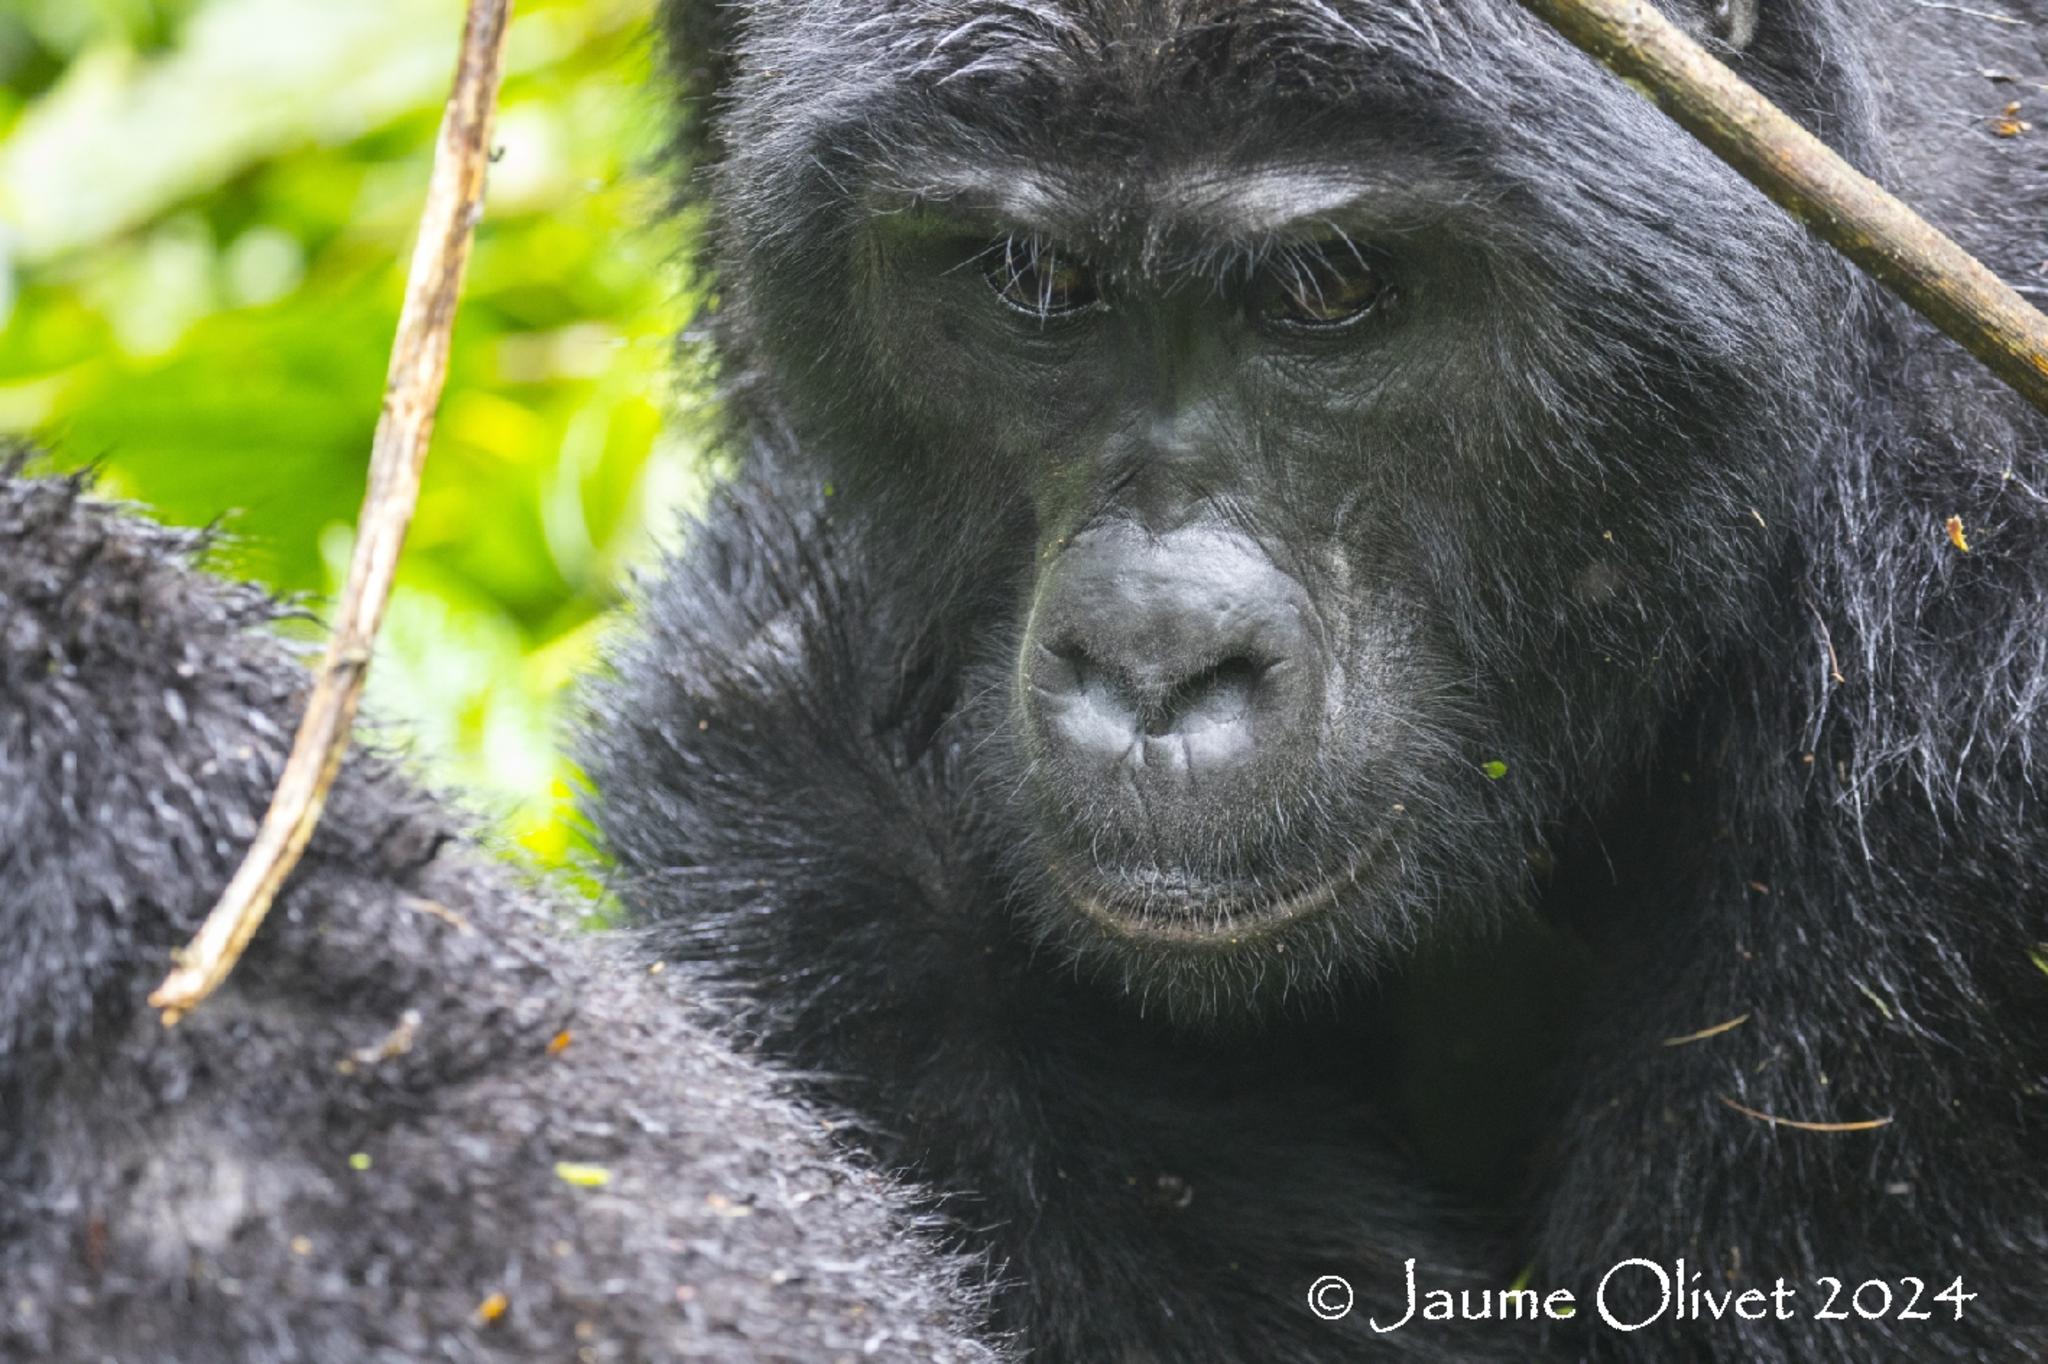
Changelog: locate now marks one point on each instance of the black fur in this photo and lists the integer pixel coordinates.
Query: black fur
(1656, 487)
(191, 1196)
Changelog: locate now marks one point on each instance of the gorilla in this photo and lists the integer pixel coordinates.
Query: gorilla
(1338, 673)
(419, 1122)
(1334, 652)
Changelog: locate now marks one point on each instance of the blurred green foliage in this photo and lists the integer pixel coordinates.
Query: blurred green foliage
(206, 208)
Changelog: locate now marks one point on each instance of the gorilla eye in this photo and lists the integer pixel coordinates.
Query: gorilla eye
(1038, 279)
(1322, 287)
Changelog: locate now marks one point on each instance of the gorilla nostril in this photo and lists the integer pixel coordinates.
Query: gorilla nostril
(1220, 694)
(1146, 700)
(1071, 667)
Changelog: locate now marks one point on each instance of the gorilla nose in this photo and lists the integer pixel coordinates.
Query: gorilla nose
(1179, 656)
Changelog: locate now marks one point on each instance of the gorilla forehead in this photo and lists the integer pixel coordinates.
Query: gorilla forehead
(1076, 116)
(1113, 69)
(1034, 59)
(1149, 47)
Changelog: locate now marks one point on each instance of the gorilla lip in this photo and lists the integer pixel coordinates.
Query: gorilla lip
(1224, 920)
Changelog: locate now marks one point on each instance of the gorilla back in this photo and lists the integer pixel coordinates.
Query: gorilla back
(349, 1154)
(1379, 675)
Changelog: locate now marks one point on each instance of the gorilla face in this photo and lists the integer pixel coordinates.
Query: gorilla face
(1224, 669)
(1327, 439)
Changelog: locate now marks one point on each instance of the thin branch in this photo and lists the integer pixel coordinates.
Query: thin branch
(412, 392)
(1837, 203)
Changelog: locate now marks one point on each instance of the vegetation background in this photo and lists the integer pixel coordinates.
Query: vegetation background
(206, 207)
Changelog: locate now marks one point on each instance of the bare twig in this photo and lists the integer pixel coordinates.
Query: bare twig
(1902, 250)
(412, 392)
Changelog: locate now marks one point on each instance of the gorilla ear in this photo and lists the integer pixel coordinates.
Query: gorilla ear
(1733, 22)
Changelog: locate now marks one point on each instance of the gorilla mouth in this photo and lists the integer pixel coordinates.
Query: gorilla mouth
(1156, 909)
